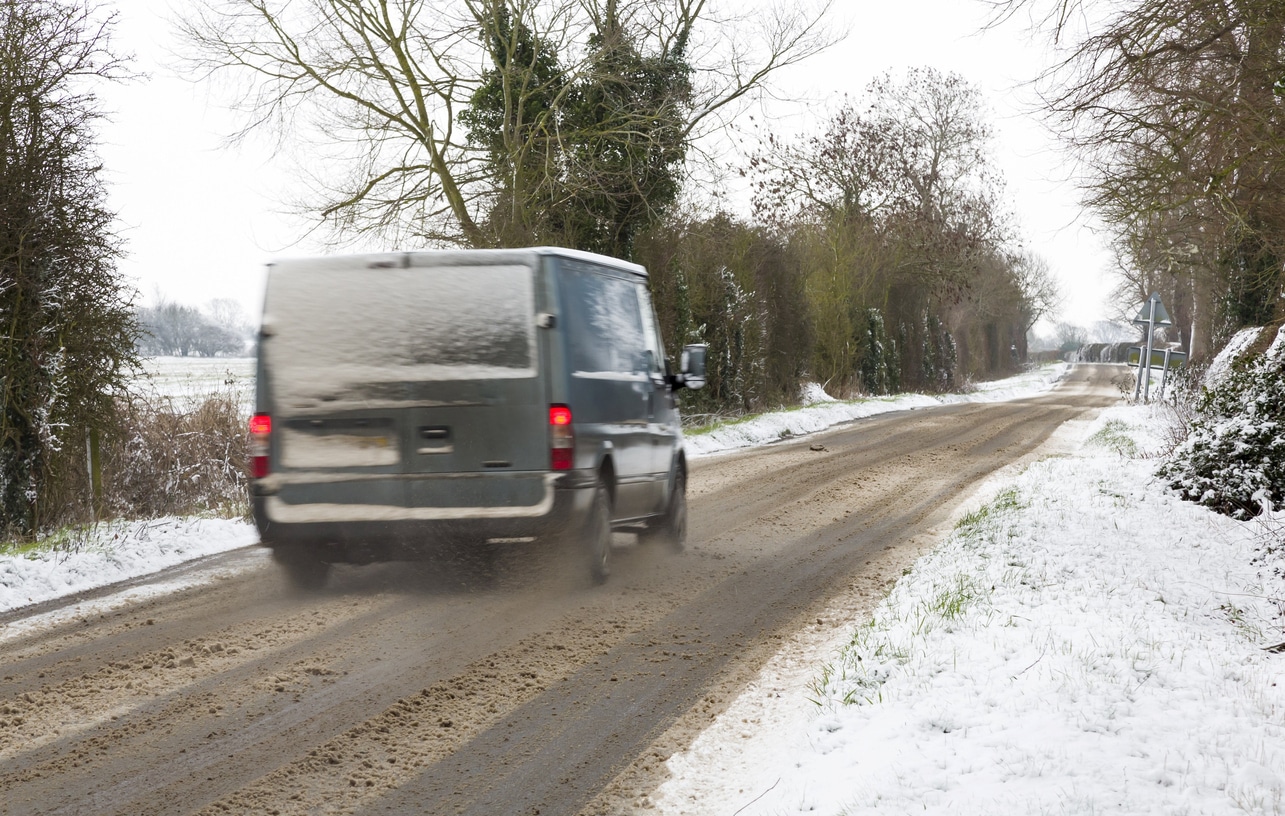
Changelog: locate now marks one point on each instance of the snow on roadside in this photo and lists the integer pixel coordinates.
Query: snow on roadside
(1221, 365)
(821, 411)
(193, 379)
(1085, 642)
(114, 552)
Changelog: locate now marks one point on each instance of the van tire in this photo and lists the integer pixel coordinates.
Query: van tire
(670, 529)
(306, 572)
(597, 535)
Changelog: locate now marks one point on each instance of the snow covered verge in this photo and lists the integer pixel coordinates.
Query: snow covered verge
(116, 551)
(1083, 642)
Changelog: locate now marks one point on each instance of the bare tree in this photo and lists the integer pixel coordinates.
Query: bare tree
(377, 89)
(1041, 295)
(1070, 336)
(228, 315)
(895, 212)
(839, 174)
(916, 159)
(170, 328)
(1174, 108)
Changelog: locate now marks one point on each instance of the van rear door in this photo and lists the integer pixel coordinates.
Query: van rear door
(484, 412)
(415, 366)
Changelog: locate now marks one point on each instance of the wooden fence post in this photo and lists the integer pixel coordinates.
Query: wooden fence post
(95, 474)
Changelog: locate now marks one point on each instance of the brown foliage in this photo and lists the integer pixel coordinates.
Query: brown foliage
(159, 457)
(893, 213)
(174, 461)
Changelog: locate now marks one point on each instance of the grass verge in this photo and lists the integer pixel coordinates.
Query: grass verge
(897, 629)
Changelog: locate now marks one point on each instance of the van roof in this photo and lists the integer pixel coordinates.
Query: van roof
(456, 257)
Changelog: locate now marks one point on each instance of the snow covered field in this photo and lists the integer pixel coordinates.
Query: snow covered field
(1083, 642)
(194, 378)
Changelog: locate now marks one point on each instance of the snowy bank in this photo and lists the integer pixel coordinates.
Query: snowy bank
(1085, 642)
(113, 552)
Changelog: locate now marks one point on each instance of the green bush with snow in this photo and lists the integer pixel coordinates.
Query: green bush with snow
(1233, 461)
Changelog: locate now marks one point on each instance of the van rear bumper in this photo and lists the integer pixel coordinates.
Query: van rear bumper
(364, 532)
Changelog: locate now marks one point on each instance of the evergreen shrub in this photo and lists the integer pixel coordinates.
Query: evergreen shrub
(1233, 461)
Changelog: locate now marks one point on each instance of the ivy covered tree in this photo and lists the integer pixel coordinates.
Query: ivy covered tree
(491, 122)
(589, 160)
(66, 324)
(512, 118)
(627, 122)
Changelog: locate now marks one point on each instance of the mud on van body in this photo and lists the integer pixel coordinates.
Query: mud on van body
(407, 402)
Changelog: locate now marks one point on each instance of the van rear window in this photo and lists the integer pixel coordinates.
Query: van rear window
(337, 329)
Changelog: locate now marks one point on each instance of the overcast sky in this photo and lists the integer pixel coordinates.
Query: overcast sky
(201, 219)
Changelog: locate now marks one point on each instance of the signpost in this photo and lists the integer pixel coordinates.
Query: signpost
(1151, 315)
(1164, 359)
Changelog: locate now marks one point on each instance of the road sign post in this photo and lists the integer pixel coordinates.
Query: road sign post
(1152, 315)
(1164, 372)
(1164, 359)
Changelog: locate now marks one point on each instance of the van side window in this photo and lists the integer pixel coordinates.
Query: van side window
(603, 318)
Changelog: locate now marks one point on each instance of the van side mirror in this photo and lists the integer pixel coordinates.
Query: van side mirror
(692, 366)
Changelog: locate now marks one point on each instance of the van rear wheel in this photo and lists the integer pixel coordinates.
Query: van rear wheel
(597, 535)
(303, 568)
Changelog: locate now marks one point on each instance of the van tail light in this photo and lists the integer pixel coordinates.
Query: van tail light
(260, 433)
(562, 438)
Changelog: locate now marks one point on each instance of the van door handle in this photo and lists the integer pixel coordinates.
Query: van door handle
(436, 440)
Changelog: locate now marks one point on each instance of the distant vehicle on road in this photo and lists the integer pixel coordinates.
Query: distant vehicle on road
(407, 402)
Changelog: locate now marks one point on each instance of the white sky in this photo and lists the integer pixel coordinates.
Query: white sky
(201, 219)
